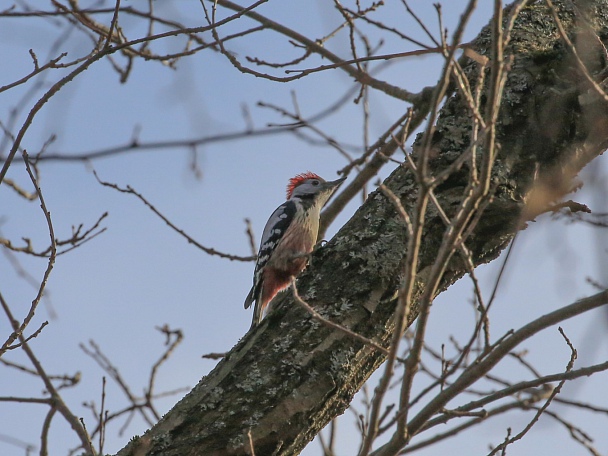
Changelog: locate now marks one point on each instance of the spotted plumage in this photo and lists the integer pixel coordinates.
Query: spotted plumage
(289, 236)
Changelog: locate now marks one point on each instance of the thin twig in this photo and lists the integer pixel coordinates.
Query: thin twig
(190, 240)
(330, 324)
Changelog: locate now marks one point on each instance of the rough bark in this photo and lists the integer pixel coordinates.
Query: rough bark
(287, 379)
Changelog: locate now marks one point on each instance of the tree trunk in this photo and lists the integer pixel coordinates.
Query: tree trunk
(289, 377)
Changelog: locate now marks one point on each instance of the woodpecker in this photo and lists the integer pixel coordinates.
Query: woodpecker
(289, 236)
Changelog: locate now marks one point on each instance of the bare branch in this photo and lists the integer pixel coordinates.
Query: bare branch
(330, 324)
(190, 240)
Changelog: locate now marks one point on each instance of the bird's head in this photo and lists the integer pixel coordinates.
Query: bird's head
(310, 186)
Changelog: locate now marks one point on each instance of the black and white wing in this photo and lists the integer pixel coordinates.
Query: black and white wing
(274, 230)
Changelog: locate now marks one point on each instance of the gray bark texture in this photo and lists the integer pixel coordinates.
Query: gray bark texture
(289, 377)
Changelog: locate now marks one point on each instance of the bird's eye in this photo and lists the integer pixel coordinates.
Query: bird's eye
(315, 183)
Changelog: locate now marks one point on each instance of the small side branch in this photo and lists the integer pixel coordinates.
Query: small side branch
(208, 250)
(330, 324)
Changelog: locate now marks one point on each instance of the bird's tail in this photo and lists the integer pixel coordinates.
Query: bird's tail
(258, 309)
(250, 298)
(258, 313)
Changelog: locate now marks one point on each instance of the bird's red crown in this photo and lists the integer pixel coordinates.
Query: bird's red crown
(297, 180)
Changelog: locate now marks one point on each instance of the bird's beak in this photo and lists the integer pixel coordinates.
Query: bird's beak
(336, 183)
